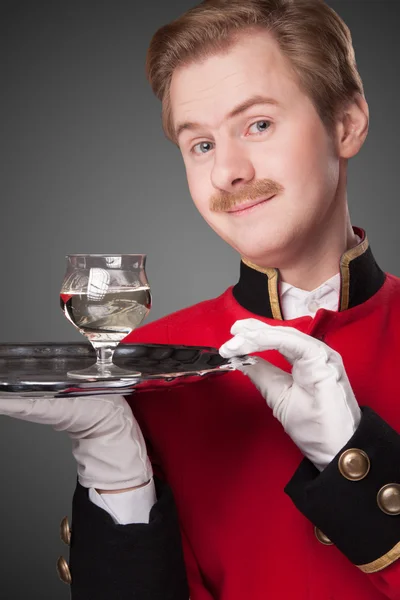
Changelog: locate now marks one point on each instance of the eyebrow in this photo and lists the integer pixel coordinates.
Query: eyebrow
(239, 109)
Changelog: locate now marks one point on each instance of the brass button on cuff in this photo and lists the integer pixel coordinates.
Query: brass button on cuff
(65, 531)
(354, 464)
(63, 570)
(321, 537)
(388, 499)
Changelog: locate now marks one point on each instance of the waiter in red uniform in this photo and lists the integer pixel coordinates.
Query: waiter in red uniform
(283, 481)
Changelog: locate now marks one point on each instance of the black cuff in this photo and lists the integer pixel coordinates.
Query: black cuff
(347, 512)
(141, 561)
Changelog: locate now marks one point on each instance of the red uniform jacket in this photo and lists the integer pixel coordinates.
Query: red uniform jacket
(228, 460)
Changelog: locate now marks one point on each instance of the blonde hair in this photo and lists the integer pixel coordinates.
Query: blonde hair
(312, 37)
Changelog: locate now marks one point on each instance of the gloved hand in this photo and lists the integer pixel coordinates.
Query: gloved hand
(315, 403)
(106, 440)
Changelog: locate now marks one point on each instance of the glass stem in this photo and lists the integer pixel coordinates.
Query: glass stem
(104, 355)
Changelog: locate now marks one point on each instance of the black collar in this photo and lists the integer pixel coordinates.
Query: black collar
(360, 278)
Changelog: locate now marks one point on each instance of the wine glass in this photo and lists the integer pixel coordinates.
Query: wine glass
(105, 296)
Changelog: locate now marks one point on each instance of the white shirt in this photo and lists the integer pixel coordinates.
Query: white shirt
(134, 506)
(296, 302)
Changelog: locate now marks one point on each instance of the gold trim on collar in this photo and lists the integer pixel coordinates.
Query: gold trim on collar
(273, 278)
(382, 562)
(345, 261)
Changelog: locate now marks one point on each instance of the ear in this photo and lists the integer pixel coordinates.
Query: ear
(352, 127)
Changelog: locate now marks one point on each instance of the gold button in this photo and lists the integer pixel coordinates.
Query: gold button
(388, 499)
(321, 537)
(63, 570)
(65, 532)
(354, 464)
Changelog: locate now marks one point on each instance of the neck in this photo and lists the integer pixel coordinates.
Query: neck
(319, 261)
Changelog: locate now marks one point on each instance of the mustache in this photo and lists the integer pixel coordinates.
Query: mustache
(263, 188)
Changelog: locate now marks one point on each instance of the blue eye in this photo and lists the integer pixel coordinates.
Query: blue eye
(203, 146)
(261, 126)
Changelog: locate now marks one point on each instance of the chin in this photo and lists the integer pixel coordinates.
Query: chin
(269, 251)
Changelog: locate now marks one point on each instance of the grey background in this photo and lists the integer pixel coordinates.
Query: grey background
(85, 168)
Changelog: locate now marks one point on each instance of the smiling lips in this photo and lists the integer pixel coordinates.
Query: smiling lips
(241, 208)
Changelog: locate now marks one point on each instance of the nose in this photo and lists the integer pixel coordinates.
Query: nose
(232, 167)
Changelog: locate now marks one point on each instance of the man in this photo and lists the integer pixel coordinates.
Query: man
(283, 487)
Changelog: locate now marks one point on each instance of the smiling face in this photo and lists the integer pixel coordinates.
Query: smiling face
(248, 132)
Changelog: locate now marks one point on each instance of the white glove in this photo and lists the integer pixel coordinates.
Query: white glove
(106, 440)
(315, 403)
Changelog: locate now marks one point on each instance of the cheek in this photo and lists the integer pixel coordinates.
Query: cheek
(305, 161)
(200, 188)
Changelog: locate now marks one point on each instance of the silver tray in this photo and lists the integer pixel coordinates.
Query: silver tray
(40, 370)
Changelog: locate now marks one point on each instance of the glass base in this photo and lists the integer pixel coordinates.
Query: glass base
(108, 371)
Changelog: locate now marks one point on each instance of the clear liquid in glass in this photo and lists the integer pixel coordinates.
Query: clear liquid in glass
(107, 317)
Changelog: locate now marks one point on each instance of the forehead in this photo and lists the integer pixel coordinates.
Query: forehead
(209, 88)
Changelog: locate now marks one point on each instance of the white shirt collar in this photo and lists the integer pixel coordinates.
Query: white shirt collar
(296, 302)
(331, 284)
